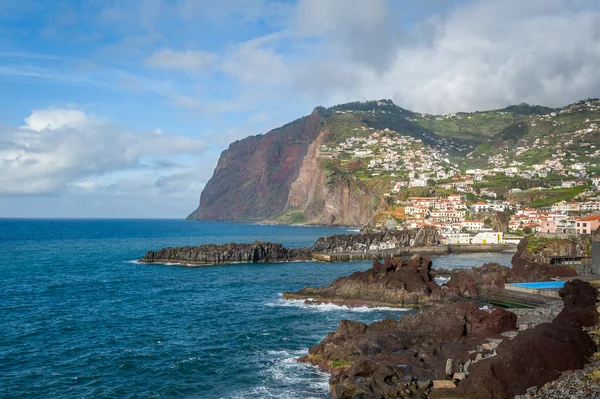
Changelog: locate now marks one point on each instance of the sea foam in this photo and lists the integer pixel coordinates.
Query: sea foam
(329, 307)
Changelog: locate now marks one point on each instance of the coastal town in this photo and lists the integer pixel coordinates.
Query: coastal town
(531, 182)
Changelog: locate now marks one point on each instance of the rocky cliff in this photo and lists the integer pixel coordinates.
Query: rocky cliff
(338, 166)
(253, 177)
(281, 177)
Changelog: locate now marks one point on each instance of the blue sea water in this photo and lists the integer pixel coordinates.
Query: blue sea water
(79, 318)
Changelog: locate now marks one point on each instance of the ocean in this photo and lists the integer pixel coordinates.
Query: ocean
(80, 318)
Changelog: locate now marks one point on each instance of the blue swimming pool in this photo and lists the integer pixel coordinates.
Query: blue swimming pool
(541, 285)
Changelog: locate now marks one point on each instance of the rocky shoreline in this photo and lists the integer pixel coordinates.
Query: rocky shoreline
(394, 283)
(456, 347)
(265, 252)
(459, 349)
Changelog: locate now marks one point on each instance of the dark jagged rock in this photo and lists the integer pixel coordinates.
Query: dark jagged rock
(425, 237)
(396, 282)
(397, 359)
(528, 262)
(580, 300)
(538, 355)
(211, 254)
(478, 281)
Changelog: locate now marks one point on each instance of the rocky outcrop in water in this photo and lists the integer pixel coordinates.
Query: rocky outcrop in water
(212, 254)
(424, 237)
(529, 264)
(396, 282)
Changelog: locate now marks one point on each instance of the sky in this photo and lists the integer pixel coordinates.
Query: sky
(121, 108)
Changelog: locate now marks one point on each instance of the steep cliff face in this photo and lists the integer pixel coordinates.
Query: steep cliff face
(335, 202)
(253, 176)
(281, 176)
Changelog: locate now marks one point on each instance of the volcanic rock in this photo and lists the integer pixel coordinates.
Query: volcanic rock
(386, 358)
(211, 254)
(528, 262)
(427, 236)
(537, 355)
(396, 282)
(478, 281)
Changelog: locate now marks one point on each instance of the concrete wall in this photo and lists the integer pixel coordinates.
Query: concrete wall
(596, 257)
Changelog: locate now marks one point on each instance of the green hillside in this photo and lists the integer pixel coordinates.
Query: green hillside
(381, 144)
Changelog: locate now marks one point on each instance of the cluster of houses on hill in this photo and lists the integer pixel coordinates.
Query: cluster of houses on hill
(555, 221)
(570, 149)
(462, 223)
(450, 214)
(387, 151)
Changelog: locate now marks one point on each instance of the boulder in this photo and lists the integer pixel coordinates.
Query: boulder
(452, 322)
(580, 300)
(478, 281)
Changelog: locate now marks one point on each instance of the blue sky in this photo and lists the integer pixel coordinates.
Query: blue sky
(121, 108)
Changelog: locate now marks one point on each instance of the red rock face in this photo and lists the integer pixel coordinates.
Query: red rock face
(262, 177)
(253, 177)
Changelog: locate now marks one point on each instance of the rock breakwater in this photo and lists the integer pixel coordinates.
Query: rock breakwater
(424, 237)
(531, 261)
(212, 254)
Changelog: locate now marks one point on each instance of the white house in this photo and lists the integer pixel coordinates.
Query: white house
(481, 207)
(418, 183)
(456, 238)
(472, 225)
(492, 237)
(509, 239)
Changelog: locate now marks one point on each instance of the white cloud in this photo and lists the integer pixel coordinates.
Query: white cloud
(54, 119)
(192, 60)
(479, 55)
(58, 147)
(472, 56)
(257, 61)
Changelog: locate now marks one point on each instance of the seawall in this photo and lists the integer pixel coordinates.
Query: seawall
(403, 251)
